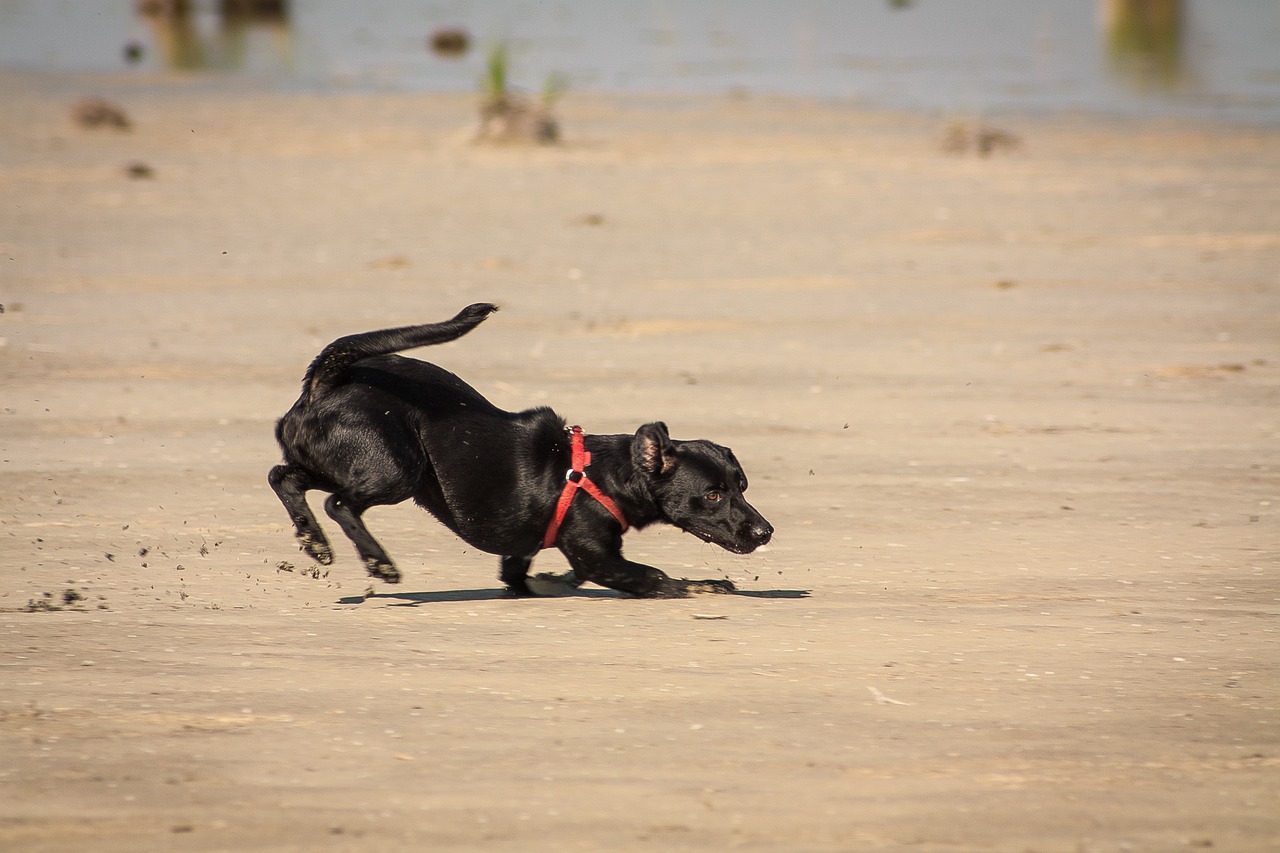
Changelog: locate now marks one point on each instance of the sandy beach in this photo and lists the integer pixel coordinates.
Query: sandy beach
(1014, 418)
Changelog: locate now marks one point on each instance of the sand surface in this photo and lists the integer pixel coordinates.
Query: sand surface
(1015, 420)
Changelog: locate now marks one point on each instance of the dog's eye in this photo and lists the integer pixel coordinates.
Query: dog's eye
(714, 496)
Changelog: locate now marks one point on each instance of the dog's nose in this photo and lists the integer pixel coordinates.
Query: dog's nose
(762, 533)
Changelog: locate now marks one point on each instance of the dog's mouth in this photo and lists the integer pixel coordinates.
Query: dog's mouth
(732, 546)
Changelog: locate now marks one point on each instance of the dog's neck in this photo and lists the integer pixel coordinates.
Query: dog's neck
(620, 480)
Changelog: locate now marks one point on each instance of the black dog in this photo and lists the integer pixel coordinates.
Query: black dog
(375, 428)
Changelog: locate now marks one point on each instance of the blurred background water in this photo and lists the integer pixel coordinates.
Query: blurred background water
(1209, 59)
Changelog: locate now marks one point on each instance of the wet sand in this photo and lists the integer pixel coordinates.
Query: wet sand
(1014, 418)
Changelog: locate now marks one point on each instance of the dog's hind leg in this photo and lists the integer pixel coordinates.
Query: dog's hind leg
(376, 561)
(291, 485)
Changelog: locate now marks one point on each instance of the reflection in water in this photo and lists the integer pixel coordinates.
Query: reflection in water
(1145, 41)
(193, 36)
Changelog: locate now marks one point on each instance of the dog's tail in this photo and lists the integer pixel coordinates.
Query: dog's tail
(327, 368)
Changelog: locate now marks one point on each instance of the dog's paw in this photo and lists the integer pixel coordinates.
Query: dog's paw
(316, 548)
(682, 588)
(382, 570)
(721, 587)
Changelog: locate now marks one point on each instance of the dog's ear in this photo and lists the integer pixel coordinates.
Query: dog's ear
(651, 449)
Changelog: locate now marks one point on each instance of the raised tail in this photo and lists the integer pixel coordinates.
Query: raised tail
(328, 366)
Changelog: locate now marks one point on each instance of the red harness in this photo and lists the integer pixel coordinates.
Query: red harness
(575, 479)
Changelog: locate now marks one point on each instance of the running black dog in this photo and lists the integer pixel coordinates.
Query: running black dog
(374, 429)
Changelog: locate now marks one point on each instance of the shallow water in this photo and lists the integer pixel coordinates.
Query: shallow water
(1214, 59)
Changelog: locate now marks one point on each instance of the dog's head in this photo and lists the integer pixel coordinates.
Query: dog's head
(699, 485)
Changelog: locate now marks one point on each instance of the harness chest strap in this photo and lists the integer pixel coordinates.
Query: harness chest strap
(575, 479)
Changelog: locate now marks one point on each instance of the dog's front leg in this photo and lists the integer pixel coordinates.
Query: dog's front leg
(617, 572)
(602, 562)
(515, 574)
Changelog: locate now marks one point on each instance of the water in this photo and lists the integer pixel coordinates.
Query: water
(1208, 59)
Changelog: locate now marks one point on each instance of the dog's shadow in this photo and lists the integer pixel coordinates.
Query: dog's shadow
(414, 599)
